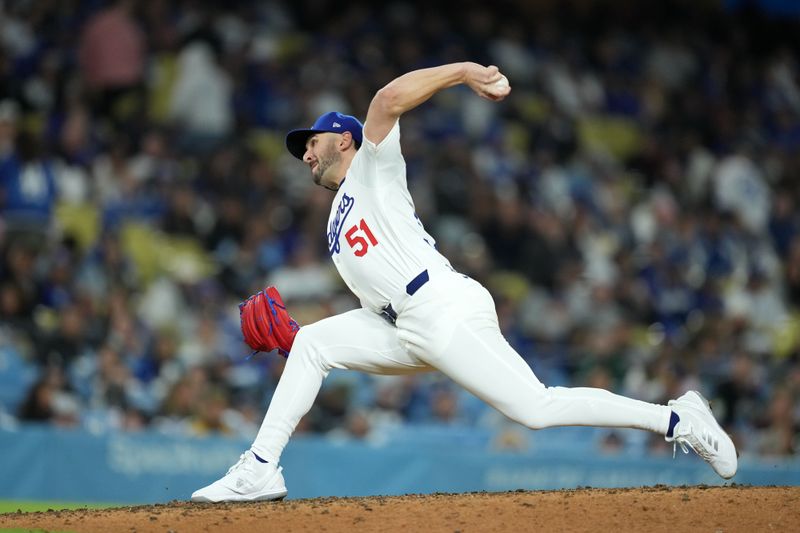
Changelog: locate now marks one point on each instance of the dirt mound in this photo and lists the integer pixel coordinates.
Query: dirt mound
(728, 509)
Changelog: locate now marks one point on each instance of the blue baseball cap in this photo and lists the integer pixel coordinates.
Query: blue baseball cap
(332, 122)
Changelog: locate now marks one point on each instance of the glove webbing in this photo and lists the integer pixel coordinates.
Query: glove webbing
(293, 325)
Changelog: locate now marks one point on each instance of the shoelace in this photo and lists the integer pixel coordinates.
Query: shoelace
(236, 465)
(241, 463)
(683, 447)
(684, 438)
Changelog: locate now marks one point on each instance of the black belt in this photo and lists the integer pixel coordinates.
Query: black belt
(413, 286)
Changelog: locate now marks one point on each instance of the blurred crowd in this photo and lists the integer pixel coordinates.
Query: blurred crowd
(632, 205)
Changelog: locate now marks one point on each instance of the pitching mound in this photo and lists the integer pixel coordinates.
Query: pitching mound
(669, 509)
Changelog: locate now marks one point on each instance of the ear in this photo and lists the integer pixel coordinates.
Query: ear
(346, 141)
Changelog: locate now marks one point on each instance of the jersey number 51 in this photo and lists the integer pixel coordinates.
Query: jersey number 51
(357, 242)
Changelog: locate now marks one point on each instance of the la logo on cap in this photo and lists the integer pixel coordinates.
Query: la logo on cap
(337, 125)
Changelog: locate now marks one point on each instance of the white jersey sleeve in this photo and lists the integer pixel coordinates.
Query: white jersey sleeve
(376, 165)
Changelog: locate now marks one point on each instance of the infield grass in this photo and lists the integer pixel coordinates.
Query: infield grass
(12, 506)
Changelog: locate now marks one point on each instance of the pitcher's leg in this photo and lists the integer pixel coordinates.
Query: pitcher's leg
(486, 365)
(464, 341)
(356, 340)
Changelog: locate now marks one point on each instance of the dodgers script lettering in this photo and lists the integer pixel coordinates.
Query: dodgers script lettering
(335, 229)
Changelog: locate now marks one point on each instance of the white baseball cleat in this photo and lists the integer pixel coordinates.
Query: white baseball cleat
(247, 481)
(699, 430)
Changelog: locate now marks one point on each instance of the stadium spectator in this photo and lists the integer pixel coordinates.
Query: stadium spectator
(632, 205)
(112, 55)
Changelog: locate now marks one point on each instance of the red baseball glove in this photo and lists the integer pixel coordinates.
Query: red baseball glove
(266, 325)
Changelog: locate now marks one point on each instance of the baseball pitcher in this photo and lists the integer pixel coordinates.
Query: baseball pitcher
(417, 313)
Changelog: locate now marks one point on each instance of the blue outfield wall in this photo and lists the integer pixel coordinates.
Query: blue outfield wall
(125, 468)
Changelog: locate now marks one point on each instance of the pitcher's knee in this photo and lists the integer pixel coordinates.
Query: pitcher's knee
(534, 422)
(308, 345)
(303, 339)
(530, 419)
(533, 413)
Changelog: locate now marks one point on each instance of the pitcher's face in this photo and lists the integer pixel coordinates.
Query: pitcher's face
(324, 159)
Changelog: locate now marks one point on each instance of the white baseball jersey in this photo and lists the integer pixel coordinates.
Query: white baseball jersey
(375, 238)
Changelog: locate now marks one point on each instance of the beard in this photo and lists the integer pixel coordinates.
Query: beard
(328, 159)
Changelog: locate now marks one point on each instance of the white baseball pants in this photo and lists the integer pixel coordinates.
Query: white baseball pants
(449, 324)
